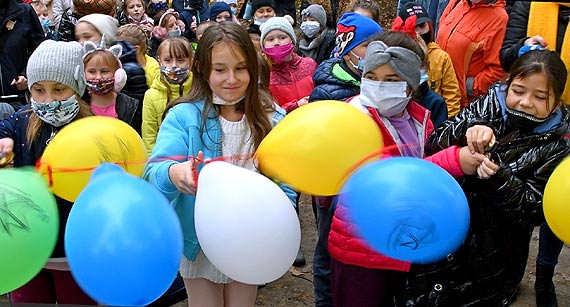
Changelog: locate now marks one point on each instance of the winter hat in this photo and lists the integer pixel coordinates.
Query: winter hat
(277, 23)
(57, 61)
(84, 8)
(414, 8)
(256, 4)
(105, 25)
(217, 8)
(354, 29)
(315, 11)
(403, 61)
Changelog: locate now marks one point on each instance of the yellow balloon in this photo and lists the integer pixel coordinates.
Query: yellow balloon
(316, 147)
(556, 201)
(76, 150)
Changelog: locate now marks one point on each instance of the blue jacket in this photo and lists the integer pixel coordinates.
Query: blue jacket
(334, 81)
(181, 135)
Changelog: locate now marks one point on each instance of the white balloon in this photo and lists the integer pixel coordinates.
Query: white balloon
(246, 225)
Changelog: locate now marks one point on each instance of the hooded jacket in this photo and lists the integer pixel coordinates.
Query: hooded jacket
(155, 101)
(488, 267)
(472, 35)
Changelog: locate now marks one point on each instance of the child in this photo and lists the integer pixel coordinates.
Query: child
(441, 73)
(82, 8)
(368, 8)
(262, 11)
(131, 36)
(105, 78)
(363, 277)
(317, 40)
(41, 10)
(291, 80)
(221, 11)
(213, 121)
(56, 82)
(169, 25)
(135, 10)
(94, 27)
(157, 7)
(173, 81)
(521, 126)
(233, 6)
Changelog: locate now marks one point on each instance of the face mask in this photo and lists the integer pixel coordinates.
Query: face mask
(278, 54)
(56, 113)
(219, 101)
(360, 65)
(45, 23)
(174, 33)
(100, 87)
(175, 75)
(160, 6)
(426, 37)
(259, 21)
(310, 28)
(423, 76)
(522, 122)
(234, 11)
(389, 98)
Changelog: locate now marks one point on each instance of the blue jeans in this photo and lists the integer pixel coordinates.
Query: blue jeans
(322, 258)
(549, 247)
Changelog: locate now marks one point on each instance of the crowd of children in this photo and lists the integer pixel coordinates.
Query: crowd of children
(210, 79)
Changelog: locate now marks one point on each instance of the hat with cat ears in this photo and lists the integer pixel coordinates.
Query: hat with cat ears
(120, 74)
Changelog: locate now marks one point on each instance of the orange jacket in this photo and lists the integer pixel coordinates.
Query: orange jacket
(472, 35)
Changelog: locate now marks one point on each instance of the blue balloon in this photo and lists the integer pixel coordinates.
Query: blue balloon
(123, 240)
(407, 208)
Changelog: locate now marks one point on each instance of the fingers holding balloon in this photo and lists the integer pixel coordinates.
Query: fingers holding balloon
(487, 168)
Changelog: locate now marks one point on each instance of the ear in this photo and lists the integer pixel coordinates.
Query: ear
(89, 47)
(117, 50)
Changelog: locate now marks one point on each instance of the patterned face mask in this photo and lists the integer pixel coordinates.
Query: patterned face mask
(100, 87)
(56, 113)
(175, 75)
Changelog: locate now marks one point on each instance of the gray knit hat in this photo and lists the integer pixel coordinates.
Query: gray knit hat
(59, 62)
(315, 11)
(403, 61)
(277, 23)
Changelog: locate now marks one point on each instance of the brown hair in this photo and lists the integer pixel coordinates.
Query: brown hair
(369, 5)
(257, 103)
(106, 56)
(35, 124)
(134, 35)
(177, 47)
(126, 3)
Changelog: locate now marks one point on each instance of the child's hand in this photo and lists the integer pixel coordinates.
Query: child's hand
(536, 40)
(479, 137)
(184, 175)
(303, 101)
(6, 147)
(487, 169)
(470, 161)
(20, 82)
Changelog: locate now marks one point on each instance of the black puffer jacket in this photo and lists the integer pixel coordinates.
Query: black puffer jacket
(334, 80)
(516, 33)
(488, 268)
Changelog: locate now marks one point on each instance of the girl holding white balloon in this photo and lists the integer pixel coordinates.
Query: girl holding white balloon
(224, 116)
(56, 82)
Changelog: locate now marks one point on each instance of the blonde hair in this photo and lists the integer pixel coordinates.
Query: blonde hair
(134, 35)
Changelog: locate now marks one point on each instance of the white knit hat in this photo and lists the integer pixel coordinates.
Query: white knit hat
(105, 25)
(59, 62)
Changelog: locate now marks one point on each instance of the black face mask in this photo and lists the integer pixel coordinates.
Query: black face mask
(522, 122)
(426, 37)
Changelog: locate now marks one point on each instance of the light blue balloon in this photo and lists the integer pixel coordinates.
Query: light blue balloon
(407, 208)
(123, 240)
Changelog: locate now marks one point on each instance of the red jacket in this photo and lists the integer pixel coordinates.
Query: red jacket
(344, 245)
(472, 36)
(292, 80)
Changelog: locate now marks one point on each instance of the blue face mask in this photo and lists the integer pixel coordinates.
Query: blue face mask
(174, 33)
(360, 65)
(423, 76)
(45, 23)
(234, 11)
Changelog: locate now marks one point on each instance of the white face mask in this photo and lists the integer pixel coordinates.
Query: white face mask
(389, 98)
(219, 101)
(310, 28)
(259, 21)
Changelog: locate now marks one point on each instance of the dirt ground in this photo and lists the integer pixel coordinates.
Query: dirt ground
(295, 289)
